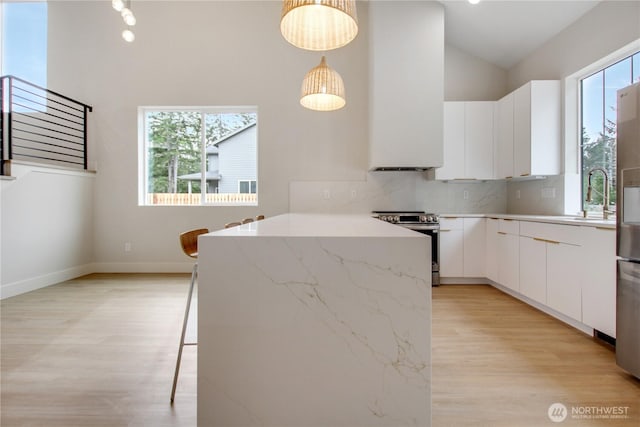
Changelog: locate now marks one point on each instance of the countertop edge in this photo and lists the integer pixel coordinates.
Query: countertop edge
(551, 219)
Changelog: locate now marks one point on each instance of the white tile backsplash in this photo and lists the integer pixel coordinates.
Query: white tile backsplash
(397, 191)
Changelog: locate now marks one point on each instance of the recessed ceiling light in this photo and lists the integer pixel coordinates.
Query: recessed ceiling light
(474, 1)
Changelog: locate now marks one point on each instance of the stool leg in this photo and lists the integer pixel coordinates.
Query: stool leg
(194, 274)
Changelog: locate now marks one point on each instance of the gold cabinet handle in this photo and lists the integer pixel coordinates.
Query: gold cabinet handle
(525, 174)
(605, 228)
(546, 241)
(508, 177)
(506, 219)
(502, 232)
(442, 231)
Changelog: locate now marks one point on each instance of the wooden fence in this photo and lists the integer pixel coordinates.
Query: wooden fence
(195, 199)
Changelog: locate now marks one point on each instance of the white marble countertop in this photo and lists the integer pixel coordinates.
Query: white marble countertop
(318, 225)
(314, 320)
(559, 219)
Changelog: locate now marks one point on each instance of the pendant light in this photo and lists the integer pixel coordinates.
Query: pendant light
(319, 24)
(322, 89)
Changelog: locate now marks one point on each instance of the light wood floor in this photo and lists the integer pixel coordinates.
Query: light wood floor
(100, 351)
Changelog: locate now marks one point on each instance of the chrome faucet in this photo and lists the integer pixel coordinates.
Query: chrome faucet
(605, 198)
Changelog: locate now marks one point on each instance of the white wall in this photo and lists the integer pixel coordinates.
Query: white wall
(47, 228)
(469, 78)
(605, 28)
(199, 53)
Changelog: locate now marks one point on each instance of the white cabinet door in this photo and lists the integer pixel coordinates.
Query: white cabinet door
(474, 247)
(533, 269)
(505, 137)
(478, 148)
(492, 249)
(522, 131)
(564, 278)
(508, 260)
(451, 253)
(537, 128)
(454, 134)
(599, 283)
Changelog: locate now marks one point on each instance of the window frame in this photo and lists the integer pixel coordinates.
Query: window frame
(572, 129)
(143, 152)
(596, 68)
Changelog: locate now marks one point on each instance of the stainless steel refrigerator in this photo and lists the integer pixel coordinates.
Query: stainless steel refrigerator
(628, 230)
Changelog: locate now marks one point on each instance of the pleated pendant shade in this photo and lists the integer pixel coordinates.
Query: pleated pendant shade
(319, 25)
(322, 89)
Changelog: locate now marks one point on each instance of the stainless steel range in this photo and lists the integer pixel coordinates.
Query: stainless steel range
(422, 222)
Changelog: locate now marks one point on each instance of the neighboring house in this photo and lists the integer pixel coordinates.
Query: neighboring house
(231, 163)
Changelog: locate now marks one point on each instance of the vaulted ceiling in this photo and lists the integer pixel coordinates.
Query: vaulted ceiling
(504, 32)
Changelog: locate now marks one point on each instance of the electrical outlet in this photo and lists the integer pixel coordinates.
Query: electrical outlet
(517, 194)
(354, 194)
(127, 247)
(326, 194)
(465, 194)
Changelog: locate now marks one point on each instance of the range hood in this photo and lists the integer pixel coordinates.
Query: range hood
(406, 78)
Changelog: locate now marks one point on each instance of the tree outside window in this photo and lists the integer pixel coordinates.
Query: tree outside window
(187, 163)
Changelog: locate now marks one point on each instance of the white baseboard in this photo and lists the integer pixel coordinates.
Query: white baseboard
(31, 284)
(464, 281)
(551, 312)
(143, 267)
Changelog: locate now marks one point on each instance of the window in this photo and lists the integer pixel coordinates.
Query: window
(23, 34)
(247, 187)
(598, 119)
(198, 156)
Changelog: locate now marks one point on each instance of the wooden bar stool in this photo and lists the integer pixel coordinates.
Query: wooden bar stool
(189, 243)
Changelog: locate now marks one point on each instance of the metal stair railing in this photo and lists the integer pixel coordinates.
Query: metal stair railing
(40, 125)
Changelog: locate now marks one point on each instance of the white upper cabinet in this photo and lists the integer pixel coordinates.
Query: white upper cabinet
(454, 133)
(528, 131)
(536, 129)
(478, 125)
(504, 137)
(468, 141)
(406, 42)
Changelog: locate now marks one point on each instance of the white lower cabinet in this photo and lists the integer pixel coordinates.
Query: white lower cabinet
(570, 269)
(508, 254)
(474, 261)
(462, 247)
(451, 247)
(491, 248)
(533, 269)
(550, 270)
(564, 274)
(599, 283)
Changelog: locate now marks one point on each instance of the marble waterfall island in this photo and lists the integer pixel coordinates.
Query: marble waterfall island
(314, 320)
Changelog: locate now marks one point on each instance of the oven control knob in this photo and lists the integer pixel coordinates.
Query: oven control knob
(396, 219)
(383, 217)
(423, 218)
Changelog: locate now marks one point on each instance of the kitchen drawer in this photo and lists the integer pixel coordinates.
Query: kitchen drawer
(509, 226)
(451, 223)
(569, 234)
